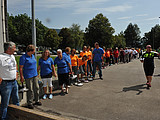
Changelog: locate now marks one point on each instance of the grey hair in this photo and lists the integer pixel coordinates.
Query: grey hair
(8, 45)
(59, 50)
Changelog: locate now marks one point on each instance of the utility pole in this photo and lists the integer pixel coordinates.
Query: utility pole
(33, 26)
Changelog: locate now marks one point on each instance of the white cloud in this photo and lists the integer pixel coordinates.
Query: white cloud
(141, 15)
(150, 19)
(123, 18)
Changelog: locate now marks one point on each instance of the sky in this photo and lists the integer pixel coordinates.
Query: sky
(58, 14)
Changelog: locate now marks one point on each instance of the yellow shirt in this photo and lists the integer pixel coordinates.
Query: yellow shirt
(74, 60)
(84, 53)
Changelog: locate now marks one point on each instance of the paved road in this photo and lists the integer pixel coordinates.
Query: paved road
(122, 95)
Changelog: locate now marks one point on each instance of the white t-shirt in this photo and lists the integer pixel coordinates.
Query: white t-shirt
(7, 66)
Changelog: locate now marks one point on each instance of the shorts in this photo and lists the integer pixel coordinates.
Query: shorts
(81, 71)
(63, 79)
(149, 71)
(74, 69)
(47, 80)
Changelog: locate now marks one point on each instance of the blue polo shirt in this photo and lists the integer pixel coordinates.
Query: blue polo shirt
(61, 65)
(67, 57)
(29, 66)
(98, 53)
(46, 66)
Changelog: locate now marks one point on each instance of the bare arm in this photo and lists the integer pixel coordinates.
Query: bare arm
(0, 80)
(16, 72)
(70, 67)
(21, 73)
(53, 71)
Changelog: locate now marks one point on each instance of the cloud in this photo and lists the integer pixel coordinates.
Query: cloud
(123, 18)
(141, 15)
(150, 19)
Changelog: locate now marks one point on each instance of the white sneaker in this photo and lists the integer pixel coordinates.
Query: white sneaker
(44, 97)
(86, 81)
(80, 84)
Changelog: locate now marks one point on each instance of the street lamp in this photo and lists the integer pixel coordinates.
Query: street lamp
(33, 26)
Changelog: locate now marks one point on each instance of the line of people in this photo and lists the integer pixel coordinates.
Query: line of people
(89, 60)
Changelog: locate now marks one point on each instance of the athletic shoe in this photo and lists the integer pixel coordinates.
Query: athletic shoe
(86, 81)
(44, 97)
(80, 84)
(50, 96)
(101, 78)
(30, 106)
(38, 103)
(82, 79)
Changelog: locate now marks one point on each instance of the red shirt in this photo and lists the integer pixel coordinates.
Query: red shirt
(116, 53)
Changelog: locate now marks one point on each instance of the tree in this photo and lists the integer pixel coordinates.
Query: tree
(99, 30)
(20, 30)
(52, 39)
(153, 37)
(66, 38)
(132, 35)
(119, 40)
(77, 35)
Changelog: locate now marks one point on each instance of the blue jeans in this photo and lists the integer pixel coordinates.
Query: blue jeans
(89, 65)
(8, 89)
(99, 64)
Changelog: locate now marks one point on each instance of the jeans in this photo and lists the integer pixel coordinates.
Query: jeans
(89, 65)
(8, 89)
(99, 64)
(32, 86)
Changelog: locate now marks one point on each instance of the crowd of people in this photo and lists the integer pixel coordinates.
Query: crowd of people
(71, 69)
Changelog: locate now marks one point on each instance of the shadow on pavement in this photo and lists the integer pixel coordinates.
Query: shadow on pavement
(137, 88)
(157, 75)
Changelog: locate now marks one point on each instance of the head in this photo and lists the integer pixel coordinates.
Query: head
(104, 47)
(30, 49)
(96, 45)
(73, 52)
(88, 48)
(149, 48)
(9, 48)
(68, 50)
(116, 48)
(46, 54)
(84, 58)
(84, 48)
(59, 53)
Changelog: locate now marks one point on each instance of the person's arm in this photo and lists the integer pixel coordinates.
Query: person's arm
(0, 80)
(70, 67)
(21, 73)
(39, 67)
(53, 71)
(16, 71)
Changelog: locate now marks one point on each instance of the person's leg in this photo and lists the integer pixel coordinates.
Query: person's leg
(50, 85)
(14, 94)
(100, 68)
(94, 69)
(6, 89)
(29, 86)
(44, 85)
(36, 89)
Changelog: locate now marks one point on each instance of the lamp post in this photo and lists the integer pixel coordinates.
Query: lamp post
(33, 26)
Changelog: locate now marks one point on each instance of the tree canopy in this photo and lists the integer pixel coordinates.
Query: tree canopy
(99, 30)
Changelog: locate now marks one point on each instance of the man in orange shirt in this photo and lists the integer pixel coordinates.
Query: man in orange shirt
(107, 55)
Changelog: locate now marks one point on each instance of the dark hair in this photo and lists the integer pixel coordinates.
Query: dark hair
(30, 48)
(73, 50)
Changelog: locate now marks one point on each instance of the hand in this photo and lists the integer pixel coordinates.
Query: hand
(0, 80)
(55, 75)
(22, 79)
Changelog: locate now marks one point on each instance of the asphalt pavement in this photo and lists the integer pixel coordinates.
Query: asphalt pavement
(121, 95)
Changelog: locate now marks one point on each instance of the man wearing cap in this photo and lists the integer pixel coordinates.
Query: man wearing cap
(148, 64)
(8, 76)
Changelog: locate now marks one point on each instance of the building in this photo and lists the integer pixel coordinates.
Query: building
(3, 23)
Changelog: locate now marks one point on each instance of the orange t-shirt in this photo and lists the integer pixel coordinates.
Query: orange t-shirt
(80, 62)
(89, 55)
(107, 54)
(74, 60)
(84, 53)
